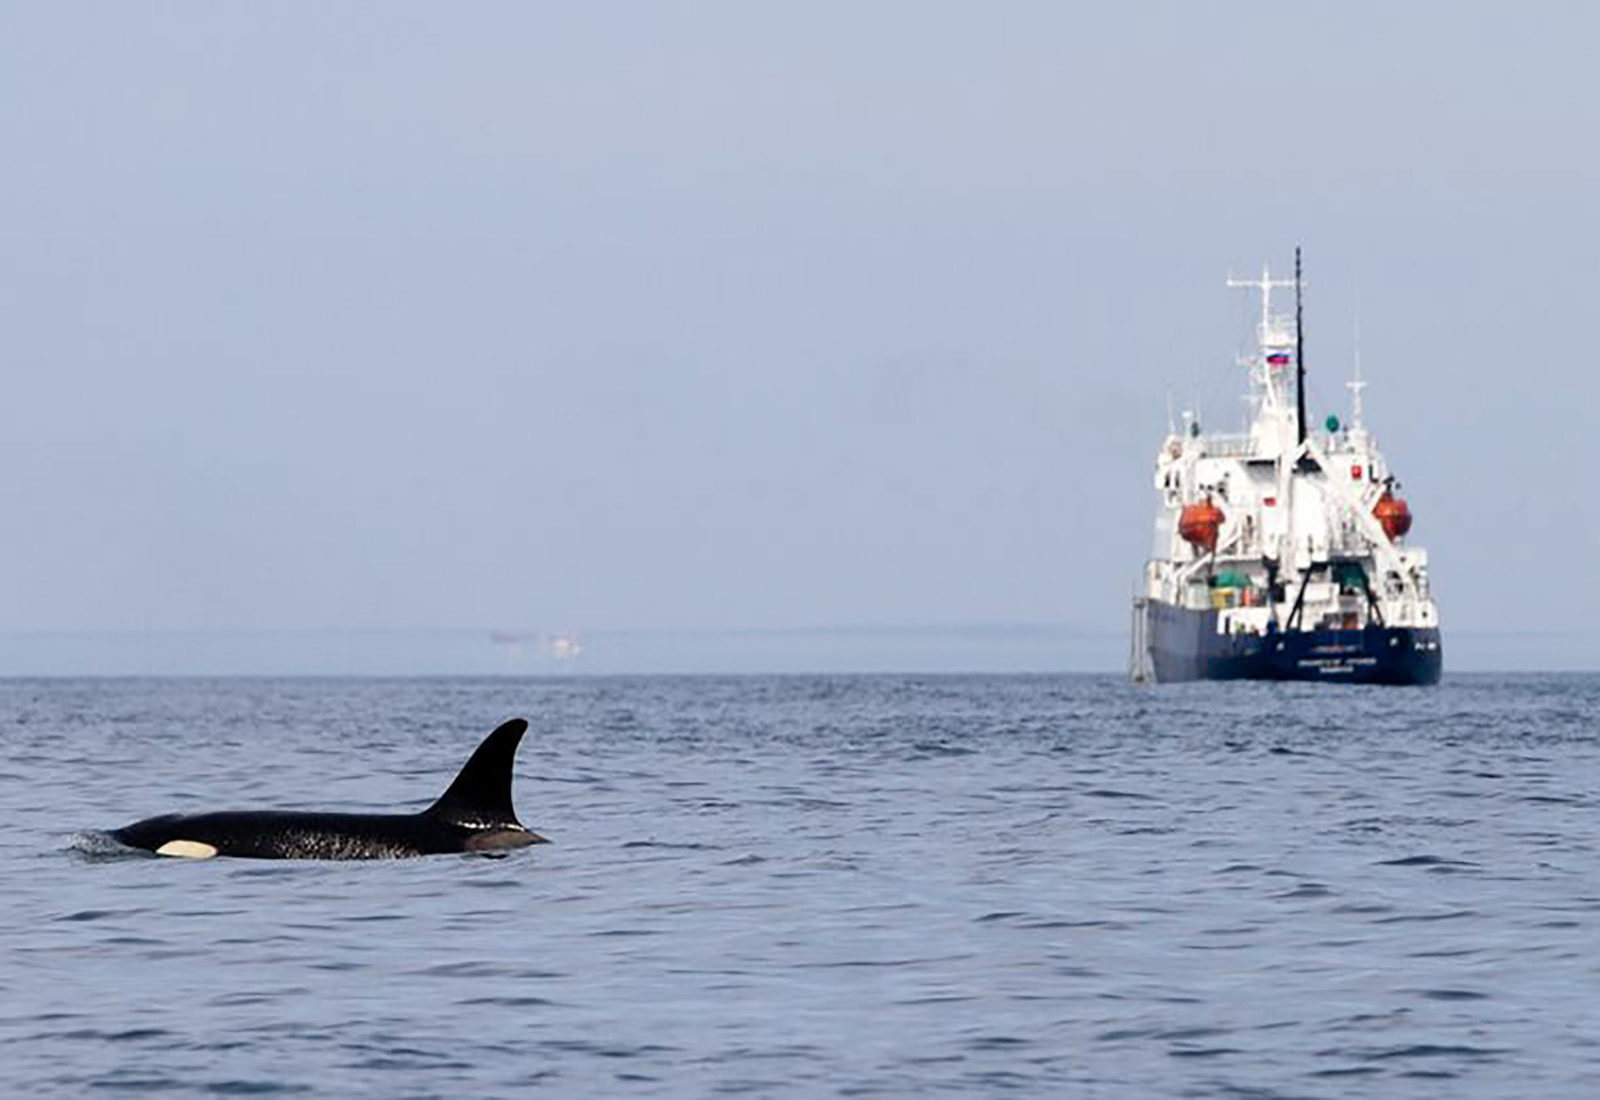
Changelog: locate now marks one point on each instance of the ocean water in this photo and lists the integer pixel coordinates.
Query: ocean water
(817, 886)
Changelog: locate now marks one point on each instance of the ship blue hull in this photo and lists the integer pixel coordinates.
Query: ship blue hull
(1185, 645)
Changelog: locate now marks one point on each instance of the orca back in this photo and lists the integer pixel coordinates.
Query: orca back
(473, 815)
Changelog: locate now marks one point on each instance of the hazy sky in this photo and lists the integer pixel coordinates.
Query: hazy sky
(654, 315)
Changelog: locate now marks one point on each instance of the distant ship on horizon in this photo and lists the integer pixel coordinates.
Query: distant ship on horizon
(1281, 551)
(560, 646)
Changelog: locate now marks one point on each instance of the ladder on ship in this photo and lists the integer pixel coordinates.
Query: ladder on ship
(1140, 668)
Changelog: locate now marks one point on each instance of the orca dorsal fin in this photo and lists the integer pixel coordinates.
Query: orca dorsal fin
(481, 793)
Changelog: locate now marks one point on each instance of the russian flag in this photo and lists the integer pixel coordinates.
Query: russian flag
(1278, 358)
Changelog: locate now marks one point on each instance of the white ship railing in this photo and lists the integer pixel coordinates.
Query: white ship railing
(1229, 446)
(1247, 446)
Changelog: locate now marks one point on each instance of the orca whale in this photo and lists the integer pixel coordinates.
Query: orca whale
(473, 815)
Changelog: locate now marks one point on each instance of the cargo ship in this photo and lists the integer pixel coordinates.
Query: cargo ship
(1281, 552)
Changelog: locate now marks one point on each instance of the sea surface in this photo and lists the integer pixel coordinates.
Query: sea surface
(817, 886)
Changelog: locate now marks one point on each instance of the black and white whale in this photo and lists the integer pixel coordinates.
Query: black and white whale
(473, 815)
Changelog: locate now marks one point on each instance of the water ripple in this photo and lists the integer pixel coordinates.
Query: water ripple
(798, 886)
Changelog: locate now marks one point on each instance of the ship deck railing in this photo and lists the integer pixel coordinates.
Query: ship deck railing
(1244, 445)
(1229, 446)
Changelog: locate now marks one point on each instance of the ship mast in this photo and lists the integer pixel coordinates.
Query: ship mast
(1356, 385)
(1299, 353)
(1275, 345)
